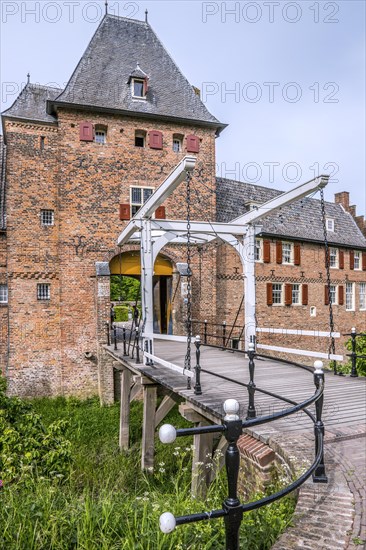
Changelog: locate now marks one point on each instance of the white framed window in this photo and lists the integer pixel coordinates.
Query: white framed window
(139, 196)
(329, 222)
(258, 250)
(333, 294)
(277, 293)
(296, 294)
(100, 137)
(350, 297)
(177, 145)
(357, 259)
(333, 257)
(43, 291)
(47, 217)
(138, 88)
(287, 253)
(3, 294)
(362, 296)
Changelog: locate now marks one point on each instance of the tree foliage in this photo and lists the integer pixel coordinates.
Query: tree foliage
(124, 288)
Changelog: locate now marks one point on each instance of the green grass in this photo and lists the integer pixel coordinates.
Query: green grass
(107, 503)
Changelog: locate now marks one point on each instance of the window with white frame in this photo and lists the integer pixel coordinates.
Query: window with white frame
(362, 296)
(3, 294)
(177, 143)
(258, 250)
(43, 291)
(333, 294)
(100, 137)
(357, 259)
(296, 294)
(333, 257)
(350, 297)
(138, 88)
(139, 196)
(277, 293)
(330, 224)
(47, 217)
(287, 253)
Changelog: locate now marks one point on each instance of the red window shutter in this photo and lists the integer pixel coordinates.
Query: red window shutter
(305, 295)
(351, 259)
(160, 213)
(288, 295)
(146, 86)
(363, 261)
(341, 295)
(297, 254)
(86, 131)
(269, 294)
(155, 139)
(124, 212)
(279, 252)
(341, 259)
(266, 252)
(193, 144)
(326, 295)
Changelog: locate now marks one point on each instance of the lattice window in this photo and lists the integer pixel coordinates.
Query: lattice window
(43, 291)
(258, 250)
(139, 196)
(296, 294)
(350, 302)
(287, 253)
(47, 217)
(333, 257)
(277, 291)
(333, 294)
(362, 296)
(357, 260)
(3, 294)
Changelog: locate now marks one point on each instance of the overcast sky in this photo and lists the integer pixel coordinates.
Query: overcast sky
(288, 77)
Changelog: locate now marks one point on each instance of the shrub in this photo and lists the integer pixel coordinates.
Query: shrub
(121, 313)
(360, 363)
(27, 448)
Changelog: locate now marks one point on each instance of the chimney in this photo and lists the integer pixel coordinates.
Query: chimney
(343, 199)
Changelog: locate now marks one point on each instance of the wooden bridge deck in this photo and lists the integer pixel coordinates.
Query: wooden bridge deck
(344, 397)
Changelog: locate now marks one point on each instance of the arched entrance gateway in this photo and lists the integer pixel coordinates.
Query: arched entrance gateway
(128, 264)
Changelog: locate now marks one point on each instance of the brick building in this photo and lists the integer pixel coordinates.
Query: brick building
(76, 165)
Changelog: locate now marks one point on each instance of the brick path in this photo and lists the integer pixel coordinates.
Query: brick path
(328, 516)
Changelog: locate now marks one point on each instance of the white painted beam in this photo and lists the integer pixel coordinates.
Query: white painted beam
(300, 332)
(290, 196)
(214, 228)
(304, 352)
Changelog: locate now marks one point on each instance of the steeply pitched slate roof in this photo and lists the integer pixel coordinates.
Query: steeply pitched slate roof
(300, 220)
(31, 103)
(101, 77)
(2, 183)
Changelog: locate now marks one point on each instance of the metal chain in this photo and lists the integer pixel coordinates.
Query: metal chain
(187, 362)
(327, 266)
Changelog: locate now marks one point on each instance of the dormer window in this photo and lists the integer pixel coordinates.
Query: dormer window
(330, 224)
(138, 88)
(138, 81)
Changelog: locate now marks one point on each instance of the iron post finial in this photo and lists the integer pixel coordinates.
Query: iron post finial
(28, 77)
(231, 408)
(146, 14)
(106, 7)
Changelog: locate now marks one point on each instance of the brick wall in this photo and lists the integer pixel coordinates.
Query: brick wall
(84, 183)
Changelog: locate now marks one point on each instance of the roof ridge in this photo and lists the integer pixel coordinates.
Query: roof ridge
(36, 84)
(252, 184)
(126, 19)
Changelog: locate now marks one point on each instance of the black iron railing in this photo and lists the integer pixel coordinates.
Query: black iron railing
(354, 355)
(233, 510)
(220, 335)
(129, 336)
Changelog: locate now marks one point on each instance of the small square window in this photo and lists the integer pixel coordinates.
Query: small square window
(100, 137)
(277, 293)
(47, 217)
(139, 141)
(177, 145)
(43, 291)
(3, 294)
(329, 224)
(138, 88)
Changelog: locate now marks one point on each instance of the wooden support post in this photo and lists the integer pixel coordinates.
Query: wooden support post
(202, 453)
(219, 458)
(124, 421)
(148, 427)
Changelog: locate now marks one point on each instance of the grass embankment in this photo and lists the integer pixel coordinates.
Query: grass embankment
(107, 503)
